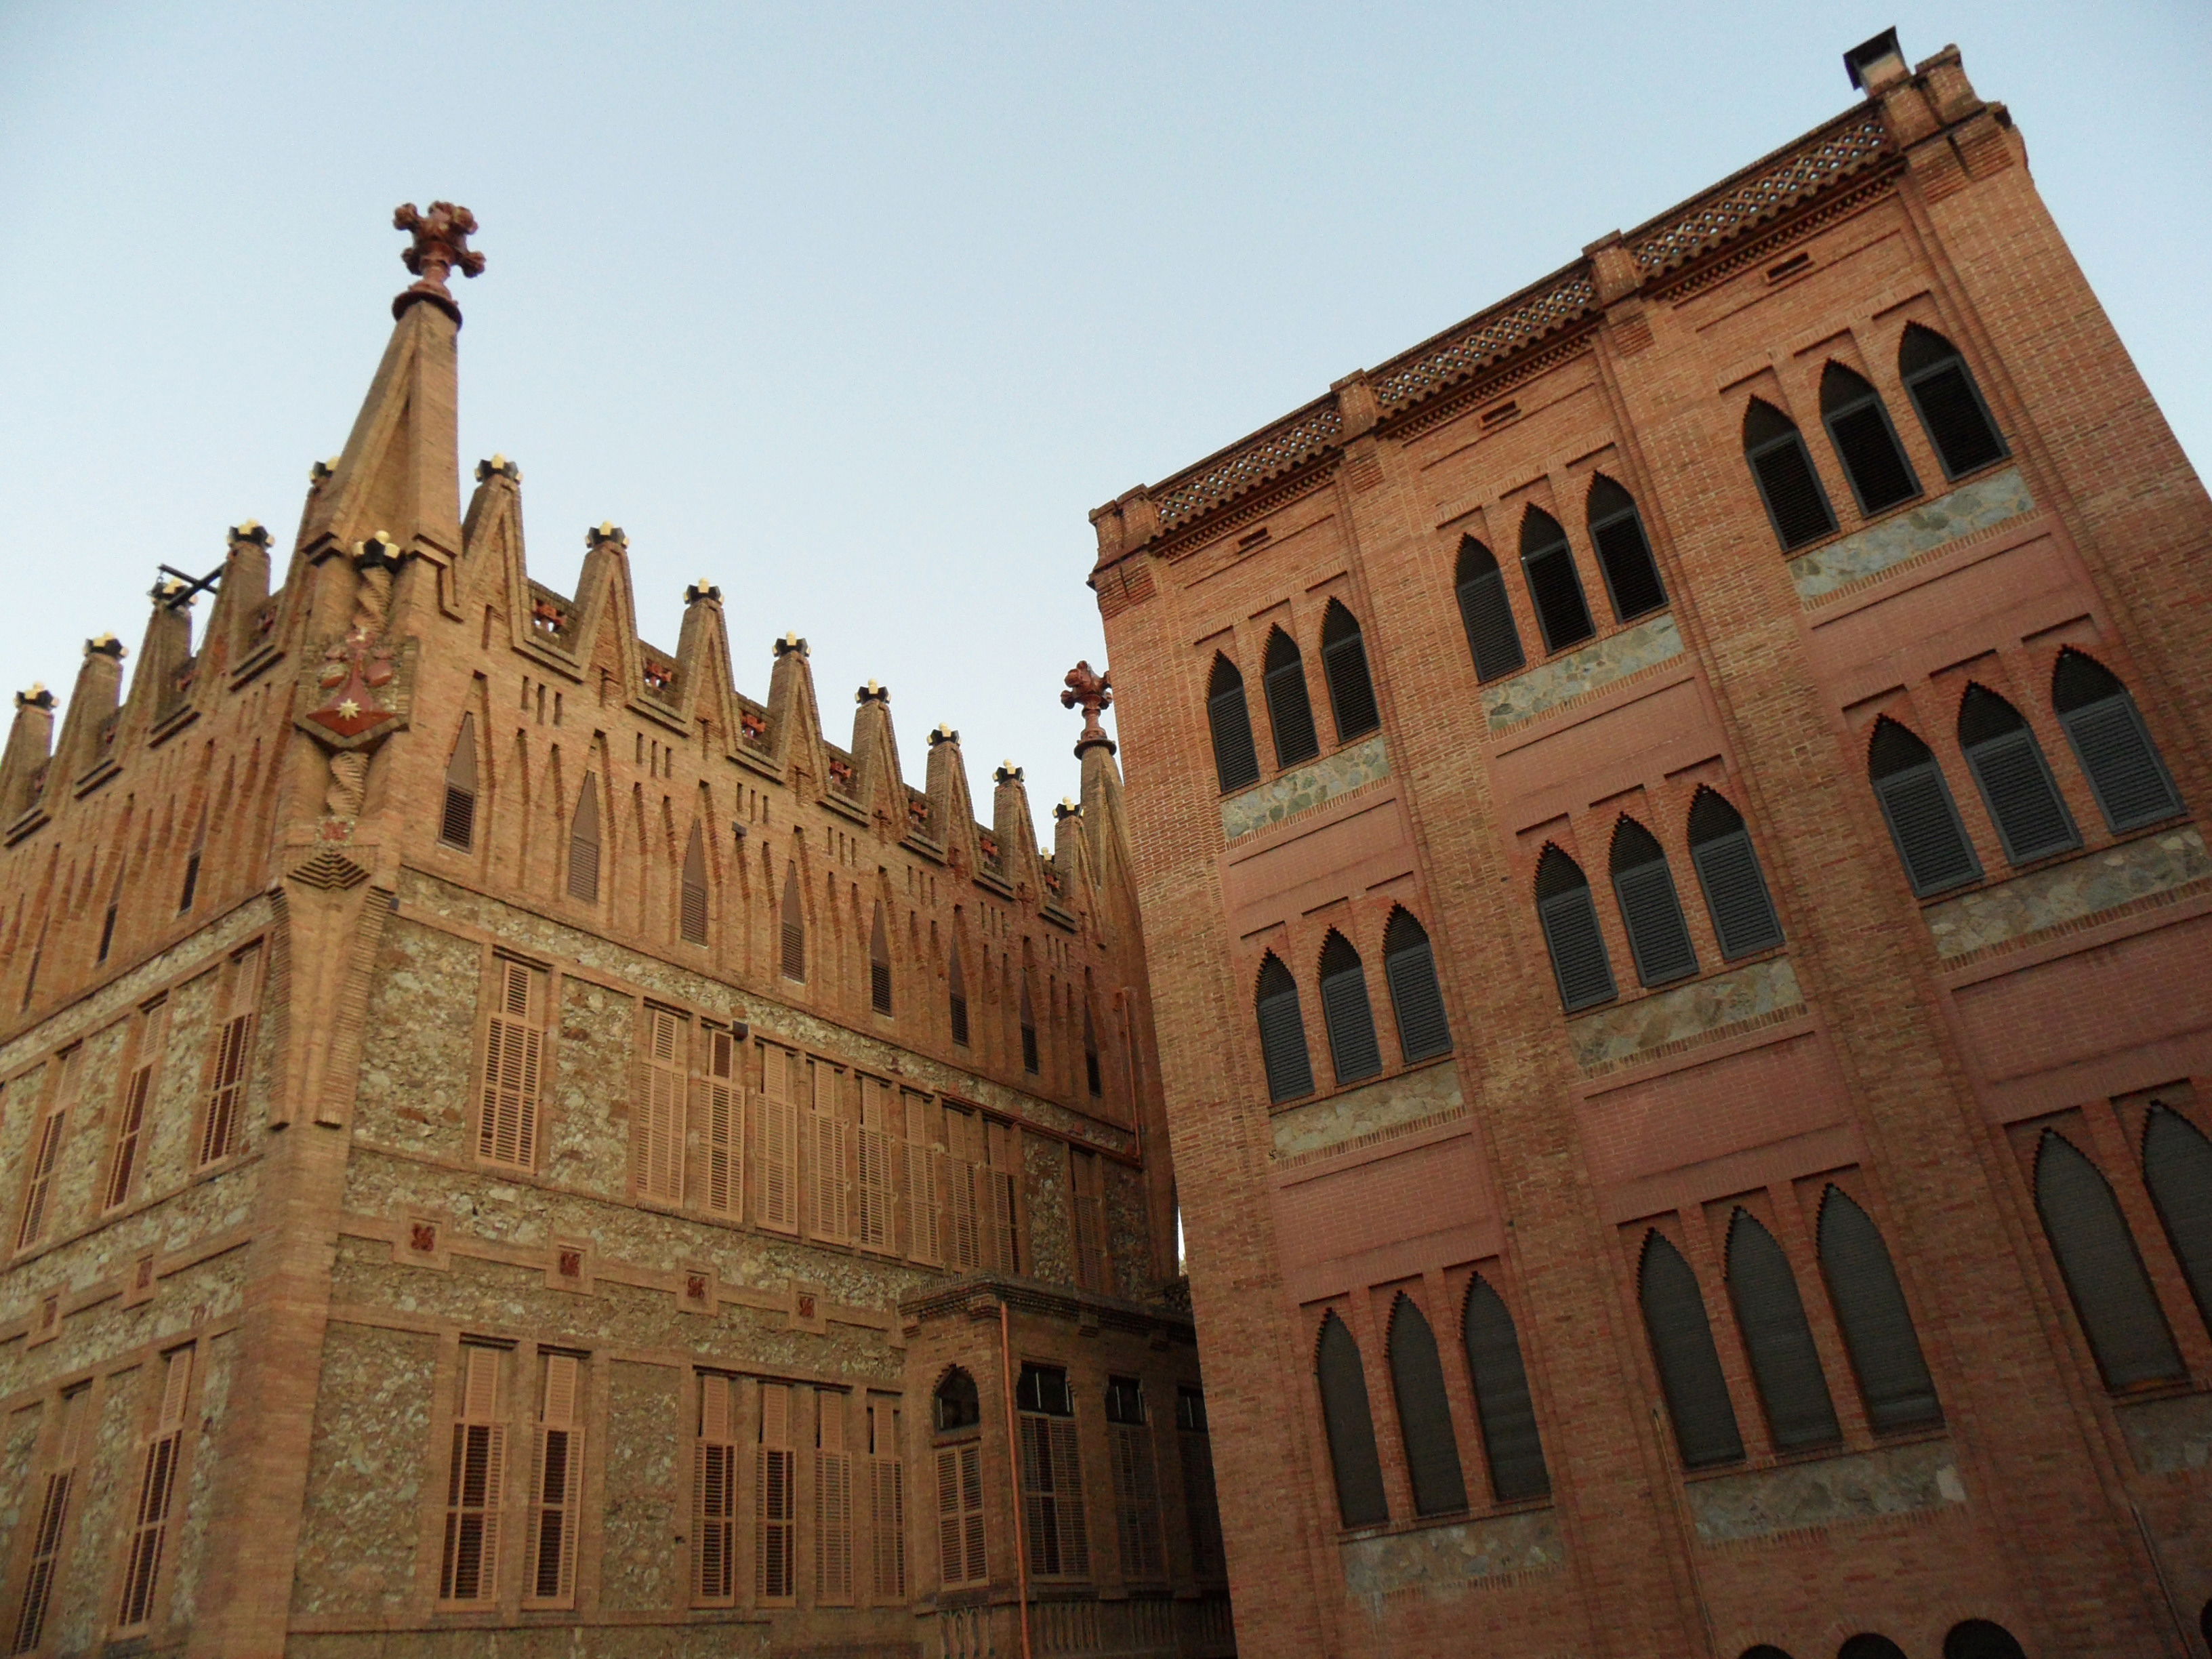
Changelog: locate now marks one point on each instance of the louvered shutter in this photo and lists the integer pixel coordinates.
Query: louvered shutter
(1879, 474)
(692, 917)
(1557, 593)
(1291, 709)
(1417, 1378)
(924, 1173)
(1578, 954)
(714, 1496)
(1060, 1542)
(1201, 1505)
(1783, 1361)
(584, 843)
(1350, 1428)
(2176, 1162)
(477, 1484)
(887, 1526)
(960, 1514)
(833, 1502)
(793, 928)
(1689, 1366)
(1136, 1502)
(1283, 1038)
(1658, 937)
(724, 1126)
(2131, 782)
(1791, 489)
(657, 1121)
(558, 1479)
(2032, 821)
(878, 1183)
(1491, 636)
(1423, 1030)
(1876, 1324)
(1924, 824)
(457, 823)
(777, 1499)
(2097, 1257)
(1958, 425)
(826, 1177)
(1511, 1442)
(779, 1141)
(1236, 761)
(507, 1130)
(1351, 1020)
(1351, 687)
(1735, 894)
(1632, 576)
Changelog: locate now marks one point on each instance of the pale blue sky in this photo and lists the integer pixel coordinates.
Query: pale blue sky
(857, 310)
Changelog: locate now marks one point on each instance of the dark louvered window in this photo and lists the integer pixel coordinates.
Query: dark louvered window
(1978, 1638)
(956, 987)
(1783, 1361)
(1787, 483)
(1344, 666)
(1657, 936)
(1868, 1645)
(2113, 745)
(1347, 1012)
(1877, 1326)
(1548, 565)
(1235, 762)
(1924, 819)
(793, 927)
(1689, 1366)
(691, 907)
(2096, 1254)
(1487, 613)
(1569, 913)
(1510, 1440)
(1092, 1077)
(879, 963)
(1858, 425)
(1027, 1013)
(1417, 1378)
(457, 825)
(1631, 575)
(584, 843)
(1289, 708)
(2176, 1162)
(1949, 402)
(1727, 869)
(1351, 1427)
(2014, 779)
(1410, 965)
(1282, 1032)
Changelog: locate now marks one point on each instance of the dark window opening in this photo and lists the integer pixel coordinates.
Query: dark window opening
(793, 928)
(1569, 915)
(957, 1405)
(1689, 1366)
(1487, 613)
(1800, 1413)
(1417, 1377)
(2111, 1294)
(1125, 1400)
(1876, 1324)
(1510, 1443)
(457, 824)
(879, 963)
(1043, 1390)
(1547, 564)
(2114, 747)
(1282, 1032)
(1948, 402)
(1236, 761)
(1350, 1428)
(2014, 777)
(1347, 1011)
(956, 986)
(1923, 818)
(1409, 965)
(1289, 707)
(2177, 1164)
(1344, 666)
(1795, 502)
(1658, 937)
(1736, 897)
(1858, 426)
(1624, 552)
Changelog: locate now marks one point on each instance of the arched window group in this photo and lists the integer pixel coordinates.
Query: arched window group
(1512, 1447)
(1972, 1639)
(2097, 1253)
(1632, 576)
(1864, 439)
(1786, 1371)
(1355, 1046)
(1352, 707)
(2103, 727)
(1650, 905)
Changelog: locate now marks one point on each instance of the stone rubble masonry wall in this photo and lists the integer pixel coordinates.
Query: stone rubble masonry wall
(1911, 1053)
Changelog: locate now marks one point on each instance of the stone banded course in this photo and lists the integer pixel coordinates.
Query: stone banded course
(1972, 507)
(1861, 1486)
(1307, 787)
(1400, 1103)
(2073, 891)
(1613, 1038)
(1549, 685)
(1437, 1558)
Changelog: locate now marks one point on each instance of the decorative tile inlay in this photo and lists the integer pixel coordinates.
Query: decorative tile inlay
(1580, 673)
(1309, 787)
(1399, 1103)
(1864, 1486)
(1709, 1008)
(1970, 507)
(1437, 1558)
(2165, 1436)
(2073, 891)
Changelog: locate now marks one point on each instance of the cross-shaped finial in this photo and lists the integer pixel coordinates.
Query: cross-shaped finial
(440, 245)
(1092, 692)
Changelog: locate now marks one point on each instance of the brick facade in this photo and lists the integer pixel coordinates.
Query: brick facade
(1784, 1045)
(507, 1134)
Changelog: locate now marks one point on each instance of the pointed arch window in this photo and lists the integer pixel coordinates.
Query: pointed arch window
(2114, 747)
(693, 904)
(1344, 666)
(1858, 426)
(1290, 710)
(1487, 613)
(1409, 963)
(1351, 1427)
(2014, 777)
(1346, 1010)
(1644, 883)
(457, 823)
(1736, 897)
(956, 989)
(1093, 1077)
(1876, 1324)
(2112, 1296)
(1282, 1032)
(184, 899)
(793, 927)
(1624, 552)
(1236, 761)
(1948, 402)
(584, 843)
(1417, 1379)
(879, 963)
(1924, 819)
(1547, 565)
(1785, 1362)
(1511, 1442)
(1795, 502)
(1705, 1432)
(1569, 915)
(1029, 1028)
(1979, 1639)
(2177, 1164)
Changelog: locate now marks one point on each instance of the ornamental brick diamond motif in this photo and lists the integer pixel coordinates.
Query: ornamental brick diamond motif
(1745, 201)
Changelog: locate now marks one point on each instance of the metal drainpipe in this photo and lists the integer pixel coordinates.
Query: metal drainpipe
(1014, 1470)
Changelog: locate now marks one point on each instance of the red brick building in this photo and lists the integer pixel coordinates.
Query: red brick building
(1666, 821)
(513, 1143)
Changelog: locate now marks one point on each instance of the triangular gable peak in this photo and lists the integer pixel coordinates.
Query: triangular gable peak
(602, 630)
(1015, 831)
(951, 814)
(794, 718)
(878, 786)
(705, 686)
